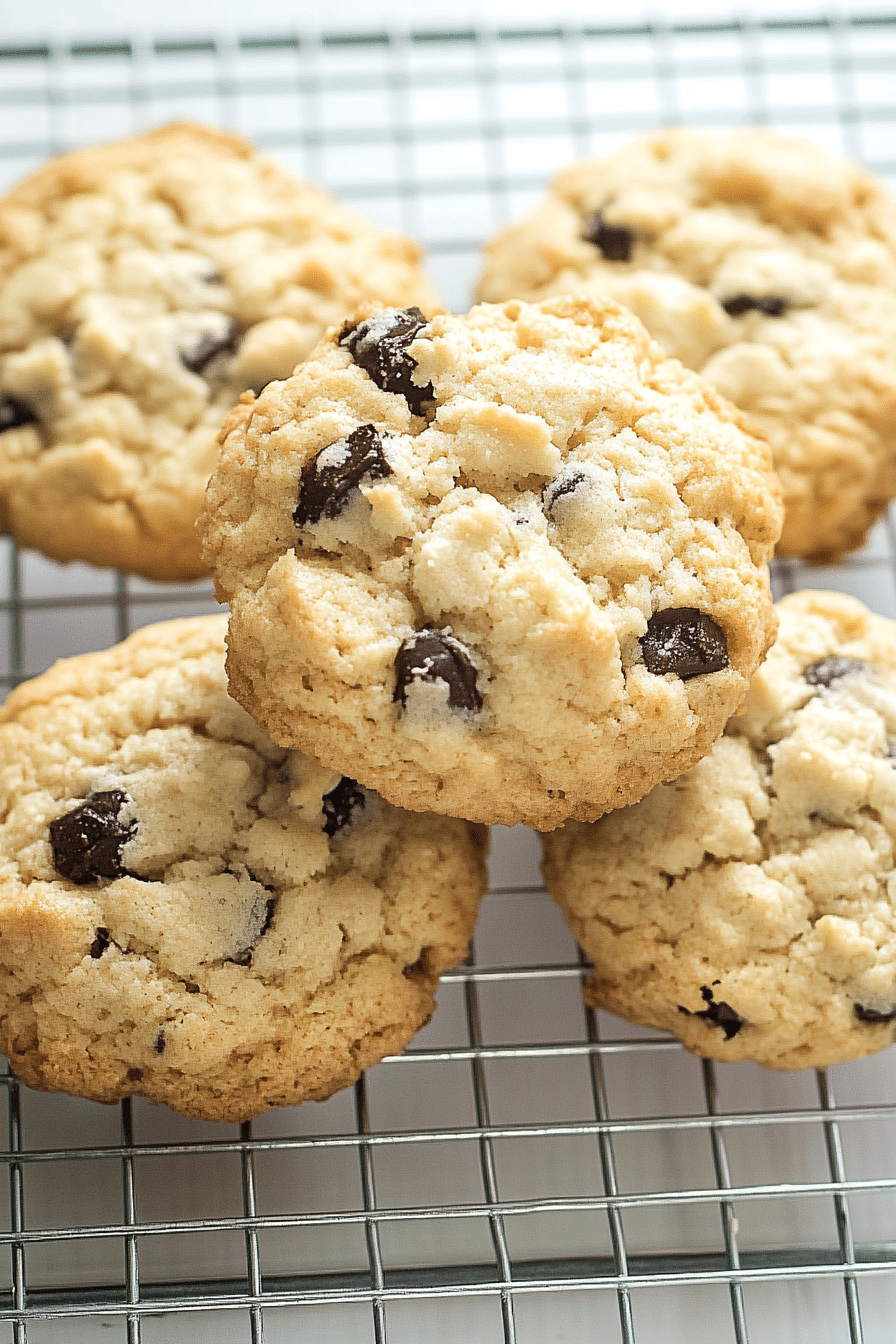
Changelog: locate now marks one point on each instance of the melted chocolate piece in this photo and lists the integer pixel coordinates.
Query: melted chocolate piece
(14, 413)
(828, 670)
(341, 803)
(324, 491)
(769, 304)
(209, 348)
(432, 655)
(685, 641)
(159, 1043)
(567, 483)
(380, 346)
(614, 240)
(87, 842)
(717, 1014)
(872, 1014)
(100, 943)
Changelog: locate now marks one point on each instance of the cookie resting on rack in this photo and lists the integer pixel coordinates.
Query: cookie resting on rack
(750, 906)
(766, 264)
(193, 914)
(143, 286)
(508, 566)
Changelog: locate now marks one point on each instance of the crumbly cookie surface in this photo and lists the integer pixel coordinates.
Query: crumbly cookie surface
(191, 913)
(529, 592)
(767, 265)
(750, 906)
(143, 286)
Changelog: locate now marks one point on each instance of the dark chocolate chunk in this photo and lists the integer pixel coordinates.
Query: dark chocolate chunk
(614, 240)
(380, 346)
(87, 842)
(324, 490)
(209, 347)
(717, 1014)
(872, 1014)
(685, 641)
(828, 670)
(14, 413)
(341, 803)
(567, 483)
(159, 1043)
(100, 943)
(269, 912)
(769, 304)
(433, 655)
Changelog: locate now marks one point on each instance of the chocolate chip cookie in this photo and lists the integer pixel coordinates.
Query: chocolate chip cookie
(766, 264)
(750, 906)
(143, 286)
(508, 566)
(191, 913)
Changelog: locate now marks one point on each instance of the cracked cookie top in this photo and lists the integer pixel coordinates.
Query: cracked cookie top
(143, 286)
(750, 906)
(766, 264)
(192, 913)
(509, 565)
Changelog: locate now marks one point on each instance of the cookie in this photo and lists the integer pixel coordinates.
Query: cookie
(143, 286)
(191, 913)
(766, 264)
(750, 906)
(509, 565)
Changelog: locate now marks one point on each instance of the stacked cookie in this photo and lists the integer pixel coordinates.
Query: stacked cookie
(143, 286)
(767, 265)
(191, 913)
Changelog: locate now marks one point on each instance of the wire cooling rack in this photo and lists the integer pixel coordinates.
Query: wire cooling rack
(529, 1172)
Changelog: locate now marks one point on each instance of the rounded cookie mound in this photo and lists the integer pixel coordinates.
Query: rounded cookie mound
(767, 265)
(750, 906)
(143, 286)
(508, 566)
(191, 913)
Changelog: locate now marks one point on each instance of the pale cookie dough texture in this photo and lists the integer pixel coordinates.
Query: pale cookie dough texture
(509, 565)
(190, 913)
(143, 286)
(750, 906)
(767, 265)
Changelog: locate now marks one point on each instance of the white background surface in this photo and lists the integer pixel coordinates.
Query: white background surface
(107, 16)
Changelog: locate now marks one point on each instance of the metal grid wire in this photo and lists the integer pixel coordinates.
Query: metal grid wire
(529, 1171)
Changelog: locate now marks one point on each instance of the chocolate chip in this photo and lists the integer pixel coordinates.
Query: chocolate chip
(872, 1014)
(87, 842)
(380, 346)
(567, 483)
(614, 240)
(14, 413)
(269, 912)
(208, 348)
(717, 1014)
(341, 803)
(433, 655)
(769, 304)
(685, 641)
(159, 1043)
(828, 670)
(327, 481)
(100, 943)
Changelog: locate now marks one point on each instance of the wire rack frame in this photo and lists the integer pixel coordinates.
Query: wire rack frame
(447, 135)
